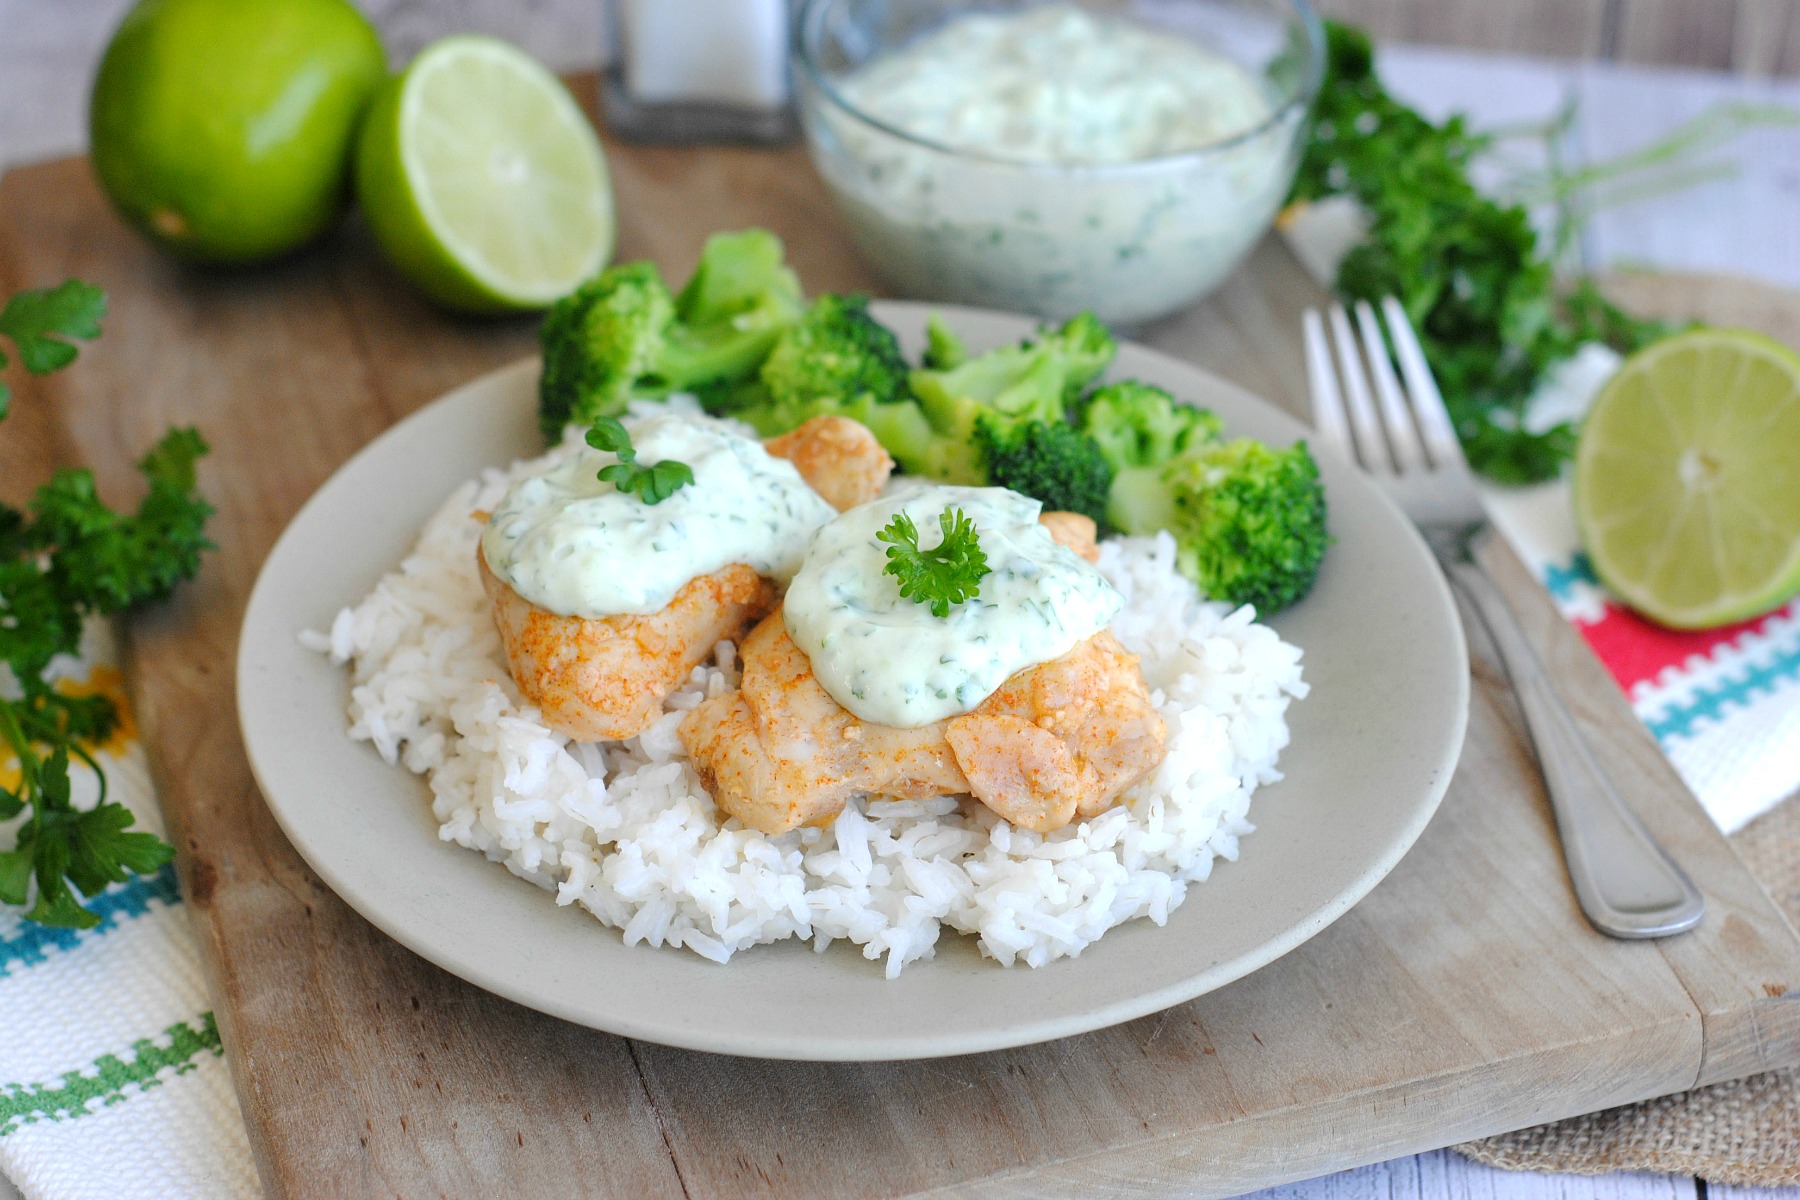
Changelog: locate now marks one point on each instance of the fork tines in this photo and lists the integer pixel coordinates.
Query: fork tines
(1386, 428)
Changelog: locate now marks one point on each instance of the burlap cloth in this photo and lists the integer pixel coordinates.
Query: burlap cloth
(1743, 1132)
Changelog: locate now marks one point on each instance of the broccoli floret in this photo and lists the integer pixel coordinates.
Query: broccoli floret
(1087, 349)
(739, 273)
(599, 342)
(621, 335)
(738, 302)
(838, 359)
(1056, 464)
(1248, 520)
(1139, 425)
(944, 350)
(1034, 381)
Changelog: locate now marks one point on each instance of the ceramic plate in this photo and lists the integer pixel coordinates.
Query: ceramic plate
(1373, 748)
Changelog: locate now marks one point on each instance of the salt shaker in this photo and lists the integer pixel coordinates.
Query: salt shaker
(699, 71)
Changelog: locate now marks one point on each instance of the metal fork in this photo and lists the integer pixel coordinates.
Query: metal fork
(1401, 435)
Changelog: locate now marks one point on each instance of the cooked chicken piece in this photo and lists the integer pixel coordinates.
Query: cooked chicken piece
(780, 753)
(607, 678)
(839, 459)
(1062, 740)
(1077, 532)
(1056, 741)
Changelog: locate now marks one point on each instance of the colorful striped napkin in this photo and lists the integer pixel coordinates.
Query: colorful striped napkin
(1724, 704)
(112, 1081)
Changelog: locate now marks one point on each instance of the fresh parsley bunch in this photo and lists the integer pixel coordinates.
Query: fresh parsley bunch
(1482, 296)
(66, 557)
(948, 573)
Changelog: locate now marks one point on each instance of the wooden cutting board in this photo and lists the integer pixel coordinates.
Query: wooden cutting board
(1463, 997)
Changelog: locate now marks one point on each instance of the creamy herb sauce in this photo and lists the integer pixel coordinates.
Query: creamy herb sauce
(574, 545)
(1095, 164)
(1059, 85)
(887, 659)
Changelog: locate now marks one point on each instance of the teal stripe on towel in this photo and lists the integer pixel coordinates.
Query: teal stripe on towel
(1719, 700)
(29, 943)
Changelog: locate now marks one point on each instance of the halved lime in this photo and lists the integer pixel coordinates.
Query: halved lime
(1687, 478)
(482, 179)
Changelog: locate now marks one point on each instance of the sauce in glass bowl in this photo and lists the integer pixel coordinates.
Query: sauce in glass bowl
(1059, 85)
(1051, 159)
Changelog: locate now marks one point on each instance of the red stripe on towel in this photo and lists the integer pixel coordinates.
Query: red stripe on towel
(1634, 649)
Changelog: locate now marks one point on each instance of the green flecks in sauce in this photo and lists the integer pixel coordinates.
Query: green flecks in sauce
(575, 545)
(1059, 84)
(888, 660)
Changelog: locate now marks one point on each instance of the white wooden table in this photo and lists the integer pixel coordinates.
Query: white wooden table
(1744, 224)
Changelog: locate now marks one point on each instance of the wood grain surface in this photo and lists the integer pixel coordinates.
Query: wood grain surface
(1464, 996)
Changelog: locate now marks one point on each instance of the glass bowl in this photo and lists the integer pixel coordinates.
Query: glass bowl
(1130, 240)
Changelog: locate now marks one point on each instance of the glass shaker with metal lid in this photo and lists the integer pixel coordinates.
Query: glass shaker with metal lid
(698, 71)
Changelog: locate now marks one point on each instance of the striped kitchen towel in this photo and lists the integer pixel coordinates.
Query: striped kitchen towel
(1724, 704)
(112, 1081)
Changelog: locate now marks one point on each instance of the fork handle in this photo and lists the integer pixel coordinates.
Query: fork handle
(1625, 882)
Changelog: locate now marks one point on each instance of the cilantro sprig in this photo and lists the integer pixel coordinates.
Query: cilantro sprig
(652, 484)
(1481, 292)
(66, 557)
(948, 573)
(40, 323)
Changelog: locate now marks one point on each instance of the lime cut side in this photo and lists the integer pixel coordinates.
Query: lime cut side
(1687, 479)
(483, 180)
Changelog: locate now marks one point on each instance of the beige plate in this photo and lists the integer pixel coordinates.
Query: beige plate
(1373, 748)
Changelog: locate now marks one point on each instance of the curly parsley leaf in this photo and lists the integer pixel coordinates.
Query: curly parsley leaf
(67, 849)
(104, 561)
(37, 621)
(16, 866)
(103, 849)
(652, 484)
(1468, 270)
(948, 573)
(41, 322)
(66, 557)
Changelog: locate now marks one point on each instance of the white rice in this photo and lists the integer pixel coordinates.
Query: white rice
(625, 830)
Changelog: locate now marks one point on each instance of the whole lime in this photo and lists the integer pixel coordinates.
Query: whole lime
(223, 128)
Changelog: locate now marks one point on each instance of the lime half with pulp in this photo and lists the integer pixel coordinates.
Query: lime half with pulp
(482, 180)
(1687, 478)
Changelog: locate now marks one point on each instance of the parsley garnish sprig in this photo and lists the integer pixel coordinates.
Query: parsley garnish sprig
(66, 557)
(948, 573)
(41, 322)
(652, 484)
